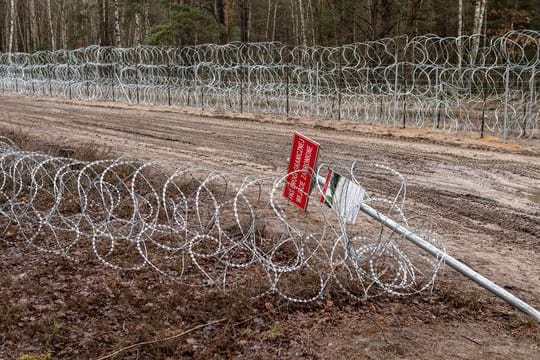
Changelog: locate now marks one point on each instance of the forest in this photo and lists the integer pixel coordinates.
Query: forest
(33, 25)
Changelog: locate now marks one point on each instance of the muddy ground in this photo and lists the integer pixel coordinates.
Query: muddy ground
(483, 196)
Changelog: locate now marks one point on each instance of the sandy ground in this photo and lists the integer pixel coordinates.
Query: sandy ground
(483, 195)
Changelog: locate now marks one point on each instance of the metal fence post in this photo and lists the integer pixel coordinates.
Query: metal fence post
(506, 100)
(69, 86)
(317, 89)
(32, 80)
(88, 87)
(404, 110)
(483, 120)
(112, 81)
(396, 92)
(530, 103)
(340, 80)
(287, 87)
(241, 89)
(169, 82)
(50, 76)
(201, 87)
(437, 95)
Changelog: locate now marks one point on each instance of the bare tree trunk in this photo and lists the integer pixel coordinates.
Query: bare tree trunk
(513, 13)
(302, 22)
(294, 19)
(12, 35)
(389, 24)
(373, 18)
(479, 10)
(482, 15)
(52, 33)
(415, 7)
(103, 6)
(249, 19)
(274, 22)
(146, 6)
(335, 27)
(5, 32)
(476, 14)
(354, 24)
(117, 38)
(311, 22)
(27, 36)
(228, 5)
(63, 25)
(220, 17)
(20, 41)
(138, 28)
(223, 12)
(33, 25)
(245, 22)
(268, 12)
(485, 25)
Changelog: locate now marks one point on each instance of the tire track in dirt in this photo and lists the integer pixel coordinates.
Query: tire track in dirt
(475, 197)
(250, 146)
(245, 144)
(161, 125)
(503, 224)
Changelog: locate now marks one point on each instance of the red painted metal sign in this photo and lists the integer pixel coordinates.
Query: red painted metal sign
(304, 154)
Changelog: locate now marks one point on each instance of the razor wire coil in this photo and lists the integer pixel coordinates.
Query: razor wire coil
(426, 81)
(205, 228)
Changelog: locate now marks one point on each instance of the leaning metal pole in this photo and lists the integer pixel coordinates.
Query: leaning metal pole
(452, 262)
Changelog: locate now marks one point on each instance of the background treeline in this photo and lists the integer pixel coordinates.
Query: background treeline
(30, 25)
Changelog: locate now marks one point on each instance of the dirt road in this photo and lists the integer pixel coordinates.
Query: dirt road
(484, 197)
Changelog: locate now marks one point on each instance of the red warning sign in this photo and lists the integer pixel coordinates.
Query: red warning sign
(304, 154)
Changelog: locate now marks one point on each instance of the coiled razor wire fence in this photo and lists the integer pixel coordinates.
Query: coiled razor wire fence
(426, 81)
(205, 228)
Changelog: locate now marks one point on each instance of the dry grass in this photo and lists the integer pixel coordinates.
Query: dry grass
(50, 305)
(56, 147)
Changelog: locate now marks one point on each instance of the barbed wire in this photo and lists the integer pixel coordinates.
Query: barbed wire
(425, 81)
(205, 228)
